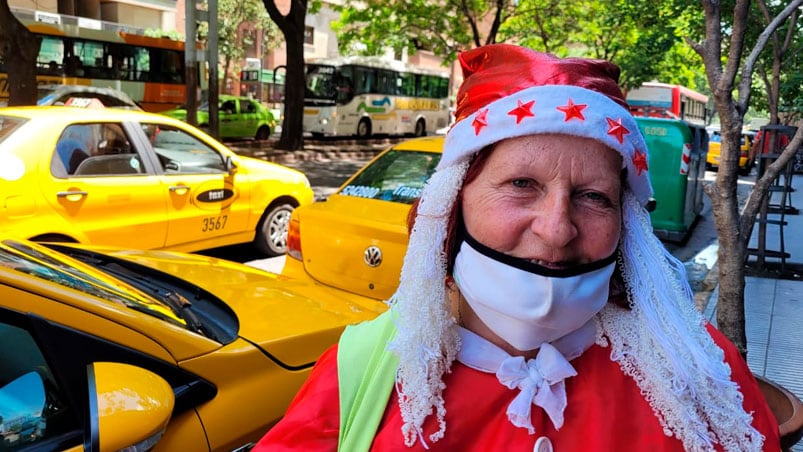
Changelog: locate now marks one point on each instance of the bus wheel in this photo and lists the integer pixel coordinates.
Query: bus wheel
(420, 128)
(263, 133)
(364, 128)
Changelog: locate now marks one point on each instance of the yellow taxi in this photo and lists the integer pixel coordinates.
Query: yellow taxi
(113, 349)
(139, 180)
(746, 155)
(356, 239)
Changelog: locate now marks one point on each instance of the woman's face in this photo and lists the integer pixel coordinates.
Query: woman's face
(552, 199)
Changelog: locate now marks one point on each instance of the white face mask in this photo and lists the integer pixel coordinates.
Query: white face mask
(526, 304)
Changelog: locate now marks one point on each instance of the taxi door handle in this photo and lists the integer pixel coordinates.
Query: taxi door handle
(180, 189)
(72, 195)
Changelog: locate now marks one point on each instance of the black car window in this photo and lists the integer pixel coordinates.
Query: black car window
(33, 408)
(101, 149)
(8, 124)
(250, 107)
(396, 176)
(229, 107)
(181, 152)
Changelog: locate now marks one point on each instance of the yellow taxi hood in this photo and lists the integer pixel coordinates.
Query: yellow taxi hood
(334, 245)
(257, 165)
(271, 309)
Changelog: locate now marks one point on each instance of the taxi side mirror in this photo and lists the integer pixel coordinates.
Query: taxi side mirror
(231, 167)
(129, 407)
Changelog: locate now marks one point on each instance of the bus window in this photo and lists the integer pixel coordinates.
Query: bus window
(386, 82)
(365, 83)
(407, 85)
(345, 85)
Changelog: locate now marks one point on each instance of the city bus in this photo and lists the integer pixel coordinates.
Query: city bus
(364, 96)
(663, 100)
(78, 50)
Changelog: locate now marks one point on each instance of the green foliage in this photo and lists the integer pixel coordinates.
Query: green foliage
(444, 27)
(159, 33)
(233, 37)
(643, 37)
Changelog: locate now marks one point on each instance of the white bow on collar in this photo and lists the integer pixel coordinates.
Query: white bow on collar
(541, 383)
(540, 380)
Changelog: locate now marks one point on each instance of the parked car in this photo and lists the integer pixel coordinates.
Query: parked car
(238, 117)
(355, 241)
(118, 349)
(58, 95)
(747, 157)
(140, 180)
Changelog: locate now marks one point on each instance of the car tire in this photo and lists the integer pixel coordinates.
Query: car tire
(364, 128)
(420, 128)
(271, 238)
(263, 133)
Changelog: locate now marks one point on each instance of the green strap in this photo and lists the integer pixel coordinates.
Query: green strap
(366, 374)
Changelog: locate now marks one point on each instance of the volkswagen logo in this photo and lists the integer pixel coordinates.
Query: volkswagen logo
(372, 256)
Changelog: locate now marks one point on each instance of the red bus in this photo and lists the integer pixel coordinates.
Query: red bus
(84, 51)
(663, 100)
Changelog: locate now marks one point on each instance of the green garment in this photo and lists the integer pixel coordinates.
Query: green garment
(366, 373)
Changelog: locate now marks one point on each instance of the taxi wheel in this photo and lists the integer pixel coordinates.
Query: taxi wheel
(271, 238)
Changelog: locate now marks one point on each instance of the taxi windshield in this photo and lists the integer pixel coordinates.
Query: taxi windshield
(124, 284)
(396, 176)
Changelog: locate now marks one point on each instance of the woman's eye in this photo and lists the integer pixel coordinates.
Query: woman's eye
(521, 183)
(597, 197)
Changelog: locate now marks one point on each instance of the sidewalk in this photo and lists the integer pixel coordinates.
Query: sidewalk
(774, 307)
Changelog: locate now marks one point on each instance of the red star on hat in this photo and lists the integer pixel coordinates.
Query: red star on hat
(480, 121)
(573, 110)
(522, 111)
(640, 162)
(617, 129)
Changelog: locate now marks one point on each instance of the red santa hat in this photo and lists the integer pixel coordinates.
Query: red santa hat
(510, 91)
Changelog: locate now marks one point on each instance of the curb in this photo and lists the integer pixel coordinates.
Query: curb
(314, 150)
(710, 282)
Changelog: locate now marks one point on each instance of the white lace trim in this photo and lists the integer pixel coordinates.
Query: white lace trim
(427, 341)
(662, 344)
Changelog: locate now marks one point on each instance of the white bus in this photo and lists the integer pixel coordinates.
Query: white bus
(364, 96)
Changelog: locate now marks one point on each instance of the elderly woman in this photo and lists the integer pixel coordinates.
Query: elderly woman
(536, 309)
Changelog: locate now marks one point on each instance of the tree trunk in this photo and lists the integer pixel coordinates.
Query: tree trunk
(734, 229)
(292, 26)
(732, 243)
(19, 49)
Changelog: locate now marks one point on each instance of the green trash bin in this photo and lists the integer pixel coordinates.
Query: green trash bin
(677, 171)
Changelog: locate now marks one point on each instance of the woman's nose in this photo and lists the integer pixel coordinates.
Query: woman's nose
(554, 221)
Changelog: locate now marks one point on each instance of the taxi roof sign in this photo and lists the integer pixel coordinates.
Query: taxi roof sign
(84, 102)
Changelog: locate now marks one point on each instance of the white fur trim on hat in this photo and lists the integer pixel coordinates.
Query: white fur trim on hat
(562, 109)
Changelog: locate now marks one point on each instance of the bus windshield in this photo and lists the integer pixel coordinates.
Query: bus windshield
(320, 83)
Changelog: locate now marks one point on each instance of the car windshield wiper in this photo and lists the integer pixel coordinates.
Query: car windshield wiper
(182, 307)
